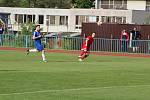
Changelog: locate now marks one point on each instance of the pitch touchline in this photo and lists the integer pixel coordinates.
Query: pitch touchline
(63, 90)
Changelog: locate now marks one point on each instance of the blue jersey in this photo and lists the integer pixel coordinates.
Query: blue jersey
(38, 44)
(1, 30)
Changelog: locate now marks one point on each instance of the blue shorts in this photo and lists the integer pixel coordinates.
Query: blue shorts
(39, 46)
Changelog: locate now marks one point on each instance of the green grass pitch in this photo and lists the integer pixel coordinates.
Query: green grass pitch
(25, 77)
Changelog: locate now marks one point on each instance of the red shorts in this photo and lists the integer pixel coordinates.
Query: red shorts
(85, 48)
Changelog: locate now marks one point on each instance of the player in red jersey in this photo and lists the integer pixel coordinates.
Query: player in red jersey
(86, 47)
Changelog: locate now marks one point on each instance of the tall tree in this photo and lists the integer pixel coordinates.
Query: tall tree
(83, 3)
(53, 3)
(13, 3)
(47, 3)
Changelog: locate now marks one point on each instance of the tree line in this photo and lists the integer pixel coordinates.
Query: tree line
(48, 3)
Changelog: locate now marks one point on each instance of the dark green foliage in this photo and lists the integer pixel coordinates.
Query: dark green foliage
(83, 3)
(47, 3)
(27, 28)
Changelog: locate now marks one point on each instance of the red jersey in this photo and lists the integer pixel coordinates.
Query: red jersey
(89, 41)
(124, 35)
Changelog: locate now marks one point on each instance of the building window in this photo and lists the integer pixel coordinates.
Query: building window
(83, 18)
(56, 20)
(104, 19)
(29, 18)
(105, 4)
(113, 4)
(63, 20)
(148, 5)
(77, 20)
(50, 20)
(119, 20)
(24, 18)
(113, 19)
(92, 18)
(41, 19)
(19, 18)
(124, 20)
(80, 20)
(118, 4)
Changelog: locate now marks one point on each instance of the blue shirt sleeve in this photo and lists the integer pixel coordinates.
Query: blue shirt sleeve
(34, 34)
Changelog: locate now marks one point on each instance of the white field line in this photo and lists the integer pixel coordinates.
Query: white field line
(77, 89)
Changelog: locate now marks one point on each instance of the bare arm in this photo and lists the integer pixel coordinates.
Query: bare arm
(87, 39)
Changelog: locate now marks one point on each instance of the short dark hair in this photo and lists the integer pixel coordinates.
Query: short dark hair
(36, 26)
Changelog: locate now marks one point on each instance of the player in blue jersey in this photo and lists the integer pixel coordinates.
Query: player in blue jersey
(37, 36)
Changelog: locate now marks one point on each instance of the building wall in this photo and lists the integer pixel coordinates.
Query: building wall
(141, 17)
(131, 4)
(71, 13)
(138, 17)
(136, 4)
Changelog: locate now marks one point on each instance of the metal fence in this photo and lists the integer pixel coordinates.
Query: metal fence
(75, 43)
(16, 41)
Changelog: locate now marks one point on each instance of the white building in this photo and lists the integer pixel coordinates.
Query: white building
(70, 20)
(123, 4)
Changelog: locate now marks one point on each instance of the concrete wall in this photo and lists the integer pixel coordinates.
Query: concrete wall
(141, 17)
(136, 4)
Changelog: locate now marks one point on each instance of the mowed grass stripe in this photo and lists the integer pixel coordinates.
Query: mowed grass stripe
(77, 89)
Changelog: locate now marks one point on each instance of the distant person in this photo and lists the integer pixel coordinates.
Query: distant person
(37, 36)
(85, 50)
(135, 36)
(124, 40)
(1, 34)
(59, 41)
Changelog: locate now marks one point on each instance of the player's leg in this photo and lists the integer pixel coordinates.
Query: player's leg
(81, 55)
(1, 41)
(43, 56)
(84, 55)
(82, 52)
(37, 45)
(31, 50)
(40, 47)
(83, 49)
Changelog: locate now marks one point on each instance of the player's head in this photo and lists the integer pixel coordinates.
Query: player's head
(123, 30)
(37, 27)
(93, 35)
(134, 28)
